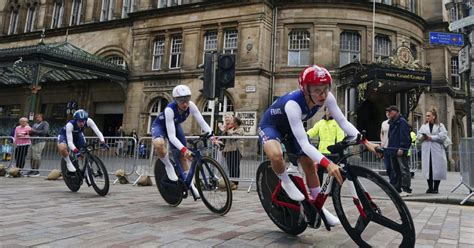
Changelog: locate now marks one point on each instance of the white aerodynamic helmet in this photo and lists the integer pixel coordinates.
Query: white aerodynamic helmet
(181, 90)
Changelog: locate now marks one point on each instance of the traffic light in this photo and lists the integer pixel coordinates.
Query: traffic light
(225, 76)
(209, 86)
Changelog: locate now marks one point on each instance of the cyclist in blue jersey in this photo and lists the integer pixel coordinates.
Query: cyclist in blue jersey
(168, 126)
(284, 119)
(72, 136)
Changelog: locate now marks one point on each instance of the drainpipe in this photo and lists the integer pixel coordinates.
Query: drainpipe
(272, 56)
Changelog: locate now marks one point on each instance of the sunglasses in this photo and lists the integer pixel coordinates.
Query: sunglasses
(183, 99)
(318, 90)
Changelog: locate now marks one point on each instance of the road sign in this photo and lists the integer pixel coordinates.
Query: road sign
(461, 23)
(463, 57)
(447, 39)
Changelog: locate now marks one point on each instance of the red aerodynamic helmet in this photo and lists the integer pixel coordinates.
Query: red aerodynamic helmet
(315, 75)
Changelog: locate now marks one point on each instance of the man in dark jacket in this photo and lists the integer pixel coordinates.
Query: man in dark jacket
(39, 129)
(397, 149)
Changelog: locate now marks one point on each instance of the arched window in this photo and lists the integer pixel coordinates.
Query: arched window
(118, 61)
(349, 47)
(298, 48)
(158, 106)
(58, 12)
(30, 17)
(227, 106)
(12, 28)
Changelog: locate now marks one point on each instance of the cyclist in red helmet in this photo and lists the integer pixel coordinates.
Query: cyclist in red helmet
(284, 119)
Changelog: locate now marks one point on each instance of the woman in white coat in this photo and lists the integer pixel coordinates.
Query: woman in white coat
(433, 155)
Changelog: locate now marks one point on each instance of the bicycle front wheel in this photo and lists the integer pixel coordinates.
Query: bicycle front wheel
(378, 209)
(213, 186)
(286, 219)
(98, 176)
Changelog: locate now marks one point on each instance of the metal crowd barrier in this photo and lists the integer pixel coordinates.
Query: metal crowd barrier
(466, 159)
(7, 151)
(121, 155)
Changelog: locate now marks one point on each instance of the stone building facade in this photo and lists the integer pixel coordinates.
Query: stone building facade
(162, 42)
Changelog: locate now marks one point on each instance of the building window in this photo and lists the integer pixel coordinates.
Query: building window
(175, 54)
(455, 78)
(298, 48)
(382, 46)
(414, 50)
(350, 47)
(30, 18)
(210, 41)
(117, 60)
(76, 12)
(158, 52)
(128, 7)
(168, 3)
(107, 10)
(388, 2)
(230, 41)
(411, 5)
(58, 12)
(227, 106)
(12, 28)
(158, 106)
(453, 13)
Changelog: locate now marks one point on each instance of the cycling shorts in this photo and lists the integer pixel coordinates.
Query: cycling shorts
(159, 131)
(272, 133)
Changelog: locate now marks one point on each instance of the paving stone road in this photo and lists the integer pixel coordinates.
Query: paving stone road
(40, 213)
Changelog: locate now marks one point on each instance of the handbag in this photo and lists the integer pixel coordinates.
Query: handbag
(447, 142)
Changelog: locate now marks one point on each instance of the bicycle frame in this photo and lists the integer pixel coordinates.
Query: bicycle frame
(197, 156)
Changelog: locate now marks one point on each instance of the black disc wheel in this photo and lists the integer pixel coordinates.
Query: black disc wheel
(97, 175)
(288, 220)
(213, 186)
(172, 192)
(73, 180)
(378, 208)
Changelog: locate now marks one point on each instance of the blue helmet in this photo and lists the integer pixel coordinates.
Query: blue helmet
(80, 115)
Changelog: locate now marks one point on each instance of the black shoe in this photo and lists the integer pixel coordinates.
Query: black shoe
(34, 174)
(407, 190)
(429, 191)
(399, 190)
(435, 191)
(29, 173)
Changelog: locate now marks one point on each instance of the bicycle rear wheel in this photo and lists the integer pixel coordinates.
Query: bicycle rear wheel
(98, 176)
(286, 219)
(73, 181)
(213, 186)
(171, 192)
(382, 211)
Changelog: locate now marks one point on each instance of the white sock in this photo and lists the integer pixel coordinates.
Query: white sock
(314, 192)
(332, 220)
(290, 188)
(70, 166)
(194, 189)
(169, 168)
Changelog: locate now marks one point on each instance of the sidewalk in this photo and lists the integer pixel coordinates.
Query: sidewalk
(419, 186)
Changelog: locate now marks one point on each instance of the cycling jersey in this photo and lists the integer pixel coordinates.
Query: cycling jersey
(167, 124)
(72, 134)
(284, 118)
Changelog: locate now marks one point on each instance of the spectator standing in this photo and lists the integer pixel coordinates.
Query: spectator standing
(231, 151)
(434, 164)
(119, 133)
(398, 145)
(329, 133)
(131, 143)
(22, 142)
(39, 129)
(384, 143)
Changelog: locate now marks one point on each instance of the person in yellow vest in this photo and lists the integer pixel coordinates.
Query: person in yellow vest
(412, 139)
(329, 133)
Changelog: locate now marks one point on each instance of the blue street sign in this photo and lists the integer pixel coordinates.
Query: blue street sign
(448, 39)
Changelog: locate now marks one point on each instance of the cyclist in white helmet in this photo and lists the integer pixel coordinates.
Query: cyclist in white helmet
(167, 126)
(72, 136)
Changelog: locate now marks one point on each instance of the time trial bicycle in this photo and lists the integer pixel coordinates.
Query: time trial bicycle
(93, 170)
(357, 209)
(210, 180)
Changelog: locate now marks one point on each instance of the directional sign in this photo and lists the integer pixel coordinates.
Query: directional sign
(461, 23)
(447, 39)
